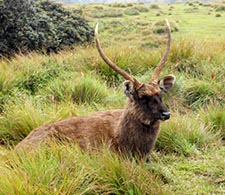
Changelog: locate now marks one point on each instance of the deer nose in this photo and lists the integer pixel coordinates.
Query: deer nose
(165, 116)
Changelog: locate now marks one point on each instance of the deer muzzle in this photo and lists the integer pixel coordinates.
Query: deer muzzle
(164, 116)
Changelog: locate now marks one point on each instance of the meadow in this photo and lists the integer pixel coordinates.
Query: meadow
(37, 89)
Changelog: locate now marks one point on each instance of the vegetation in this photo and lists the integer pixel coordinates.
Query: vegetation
(26, 26)
(37, 89)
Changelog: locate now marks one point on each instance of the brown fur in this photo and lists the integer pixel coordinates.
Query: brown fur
(128, 131)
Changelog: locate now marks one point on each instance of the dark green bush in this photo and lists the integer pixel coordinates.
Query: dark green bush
(154, 6)
(23, 29)
(218, 15)
(69, 26)
(26, 25)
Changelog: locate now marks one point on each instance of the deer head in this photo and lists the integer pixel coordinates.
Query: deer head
(145, 98)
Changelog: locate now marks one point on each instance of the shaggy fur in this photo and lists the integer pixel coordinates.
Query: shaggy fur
(132, 130)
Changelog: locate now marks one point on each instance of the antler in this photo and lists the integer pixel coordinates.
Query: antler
(113, 65)
(159, 67)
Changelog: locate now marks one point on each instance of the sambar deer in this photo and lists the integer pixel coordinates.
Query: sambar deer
(132, 130)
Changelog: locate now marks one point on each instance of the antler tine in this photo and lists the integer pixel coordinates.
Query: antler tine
(159, 67)
(111, 64)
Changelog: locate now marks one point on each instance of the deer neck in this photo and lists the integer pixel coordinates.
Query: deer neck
(135, 132)
(134, 120)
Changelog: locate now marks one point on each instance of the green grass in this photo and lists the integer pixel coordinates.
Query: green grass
(66, 170)
(215, 117)
(69, 171)
(37, 89)
(185, 135)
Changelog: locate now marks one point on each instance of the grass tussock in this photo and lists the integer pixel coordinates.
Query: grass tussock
(185, 135)
(215, 117)
(182, 50)
(159, 27)
(201, 93)
(66, 170)
(79, 89)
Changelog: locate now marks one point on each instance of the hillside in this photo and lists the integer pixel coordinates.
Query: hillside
(38, 89)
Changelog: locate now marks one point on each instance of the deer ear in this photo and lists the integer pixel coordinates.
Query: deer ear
(167, 83)
(129, 89)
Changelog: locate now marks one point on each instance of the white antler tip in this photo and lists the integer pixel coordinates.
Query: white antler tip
(96, 29)
(167, 22)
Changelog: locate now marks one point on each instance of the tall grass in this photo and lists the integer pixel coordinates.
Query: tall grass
(66, 170)
(25, 114)
(215, 117)
(201, 93)
(77, 88)
(186, 135)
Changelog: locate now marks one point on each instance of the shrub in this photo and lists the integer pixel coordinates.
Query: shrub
(18, 23)
(218, 15)
(27, 26)
(154, 6)
(69, 26)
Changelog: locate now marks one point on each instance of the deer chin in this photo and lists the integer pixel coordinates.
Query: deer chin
(164, 119)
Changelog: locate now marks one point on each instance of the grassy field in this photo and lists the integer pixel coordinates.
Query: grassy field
(189, 156)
